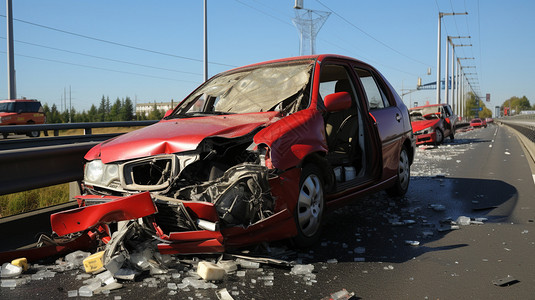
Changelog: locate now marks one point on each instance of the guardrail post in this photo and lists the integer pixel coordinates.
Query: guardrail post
(87, 131)
(75, 189)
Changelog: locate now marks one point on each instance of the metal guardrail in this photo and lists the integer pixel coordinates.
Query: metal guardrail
(27, 164)
(526, 126)
(65, 126)
(526, 131)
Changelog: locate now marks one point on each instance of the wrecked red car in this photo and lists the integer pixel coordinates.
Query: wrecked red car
(254, 154)
(432, 123)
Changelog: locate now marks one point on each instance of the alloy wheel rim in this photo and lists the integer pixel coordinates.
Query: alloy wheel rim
(310, 205)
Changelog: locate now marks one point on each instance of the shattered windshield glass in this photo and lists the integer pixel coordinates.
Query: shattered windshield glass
(272, 87)
(425, 113)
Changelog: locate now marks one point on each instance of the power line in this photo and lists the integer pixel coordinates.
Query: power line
(372, 37)
(102, 58)
(99, 68)
(116, 43)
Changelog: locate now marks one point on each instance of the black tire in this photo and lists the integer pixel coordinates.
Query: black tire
(403, 177)
(440, 136)
(452, 136)
(33, 134)
(310, 206)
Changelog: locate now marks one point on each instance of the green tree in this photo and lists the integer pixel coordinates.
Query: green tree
(127, 110)
(102, 114)
(476, 107)
(92, 114)
(155, 113)
(517, 104)
(115, 110)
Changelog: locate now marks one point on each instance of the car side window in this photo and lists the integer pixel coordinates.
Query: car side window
(448, 111)
(374, 93)
(335, 78)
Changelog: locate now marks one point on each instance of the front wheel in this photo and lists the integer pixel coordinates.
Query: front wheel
(439, 137)
(310, 206)
(403, 177)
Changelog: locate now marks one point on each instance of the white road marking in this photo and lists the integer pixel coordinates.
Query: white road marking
(533, 177)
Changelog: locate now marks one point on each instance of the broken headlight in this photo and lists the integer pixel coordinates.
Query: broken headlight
(101, 174)
(425, 130)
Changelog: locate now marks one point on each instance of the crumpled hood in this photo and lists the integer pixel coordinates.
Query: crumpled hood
(419, 125)
(177, 135)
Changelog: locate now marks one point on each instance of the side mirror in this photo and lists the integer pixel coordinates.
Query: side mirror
(168, 113)
(337, 101)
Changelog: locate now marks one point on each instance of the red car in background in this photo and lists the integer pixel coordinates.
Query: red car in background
(20, 112)
(254, 154)
(431, 123)
(477, 122)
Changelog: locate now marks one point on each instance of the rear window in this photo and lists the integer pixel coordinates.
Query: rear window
(24, 107)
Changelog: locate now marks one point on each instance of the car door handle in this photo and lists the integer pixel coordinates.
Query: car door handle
(398, 118)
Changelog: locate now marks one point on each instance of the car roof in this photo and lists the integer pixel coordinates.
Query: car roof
(18, 100)
(430, 105)
(317, 58)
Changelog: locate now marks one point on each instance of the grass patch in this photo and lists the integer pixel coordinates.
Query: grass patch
(95, 130)
(26, 201)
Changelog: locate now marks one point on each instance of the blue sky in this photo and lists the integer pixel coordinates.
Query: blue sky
(397, 37)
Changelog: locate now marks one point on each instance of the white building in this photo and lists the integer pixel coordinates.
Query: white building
(146, 108)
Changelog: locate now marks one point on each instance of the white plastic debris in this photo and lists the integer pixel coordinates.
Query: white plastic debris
(342, 295)
(332, 261)
(229, 266)
(462, 220)
(223, 294)
(247, 264)
(73, 293)
(210, 271)
(412, 243)
(87, 290)
(302, 269)
(10, 270)
(77, 257)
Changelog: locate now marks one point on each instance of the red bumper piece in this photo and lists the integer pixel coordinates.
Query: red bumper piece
(122, 209)
(193, 242)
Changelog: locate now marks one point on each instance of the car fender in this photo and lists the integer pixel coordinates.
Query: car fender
(294, 137)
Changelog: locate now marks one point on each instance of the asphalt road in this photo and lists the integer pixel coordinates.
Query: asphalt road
(483, 173)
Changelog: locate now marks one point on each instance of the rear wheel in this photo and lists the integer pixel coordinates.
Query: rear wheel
(310, 206)
(34, 133)
(404, 175)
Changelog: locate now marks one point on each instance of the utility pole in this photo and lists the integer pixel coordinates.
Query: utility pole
(440, 15)
(450, 41)
(70, 103)
(11, 85)
(205, 41)
(460, 96)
